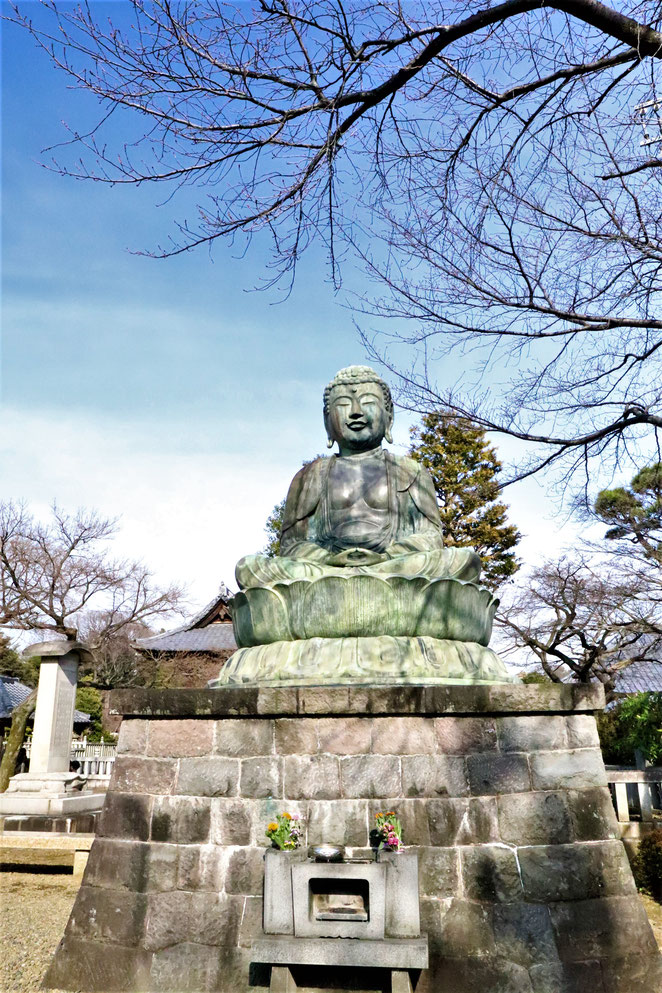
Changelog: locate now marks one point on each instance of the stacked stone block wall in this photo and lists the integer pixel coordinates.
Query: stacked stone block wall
(525, 887)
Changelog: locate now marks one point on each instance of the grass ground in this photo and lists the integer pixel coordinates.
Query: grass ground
(35, 907)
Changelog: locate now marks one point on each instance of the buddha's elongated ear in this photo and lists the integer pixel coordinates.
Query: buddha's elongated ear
(329, 442)
(387, 434)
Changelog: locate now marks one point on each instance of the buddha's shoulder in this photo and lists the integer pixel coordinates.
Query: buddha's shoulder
(407, 470)
(310, 475)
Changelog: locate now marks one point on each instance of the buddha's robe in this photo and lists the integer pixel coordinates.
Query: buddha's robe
(395, 521)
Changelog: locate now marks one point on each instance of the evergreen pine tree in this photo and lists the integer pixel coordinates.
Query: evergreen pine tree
(464, 468)
(272, 527)
(634, 514)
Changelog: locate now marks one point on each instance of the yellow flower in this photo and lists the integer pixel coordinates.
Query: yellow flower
(379, 814)
(287, 816)
(272, 827)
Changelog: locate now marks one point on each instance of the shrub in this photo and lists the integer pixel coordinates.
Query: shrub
(647, 864)
(635, 722)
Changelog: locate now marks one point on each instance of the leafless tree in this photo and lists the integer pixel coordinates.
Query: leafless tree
(483, 164)
(58, 577)
(582, 621)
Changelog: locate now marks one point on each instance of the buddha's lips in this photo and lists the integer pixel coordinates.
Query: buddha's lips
(357, 425)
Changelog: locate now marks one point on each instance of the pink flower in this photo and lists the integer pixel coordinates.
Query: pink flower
(296, 817)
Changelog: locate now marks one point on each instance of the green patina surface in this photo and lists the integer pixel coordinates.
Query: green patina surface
(363, 588)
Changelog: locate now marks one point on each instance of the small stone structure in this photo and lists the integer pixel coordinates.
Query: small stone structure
(524, 884)
(312, 909)
(49, 788)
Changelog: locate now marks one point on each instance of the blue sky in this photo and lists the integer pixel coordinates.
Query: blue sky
(163, 392)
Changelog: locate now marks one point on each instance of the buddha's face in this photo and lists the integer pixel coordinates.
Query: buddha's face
(357, 417)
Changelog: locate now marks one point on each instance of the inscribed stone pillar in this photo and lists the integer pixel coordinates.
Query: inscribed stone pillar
(54, 714)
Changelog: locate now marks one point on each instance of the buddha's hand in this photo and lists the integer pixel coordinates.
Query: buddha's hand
(355, 556)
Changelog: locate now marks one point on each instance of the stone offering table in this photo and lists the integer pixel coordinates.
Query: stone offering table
(524, 886)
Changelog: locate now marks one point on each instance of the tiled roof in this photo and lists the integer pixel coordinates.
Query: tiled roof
(216, 637)
(639, 678)
(13, 692)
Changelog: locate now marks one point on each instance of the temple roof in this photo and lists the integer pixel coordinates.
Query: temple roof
(639, 677)
(13, 692)
(208, 631)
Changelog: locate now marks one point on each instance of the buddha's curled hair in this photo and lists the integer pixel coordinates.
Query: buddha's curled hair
(354, 374)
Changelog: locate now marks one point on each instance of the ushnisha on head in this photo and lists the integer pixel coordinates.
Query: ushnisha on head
(358, 410)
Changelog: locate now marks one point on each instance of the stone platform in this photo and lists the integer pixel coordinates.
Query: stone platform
(524, 885)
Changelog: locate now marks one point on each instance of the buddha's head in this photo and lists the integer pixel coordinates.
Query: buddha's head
(358, 409)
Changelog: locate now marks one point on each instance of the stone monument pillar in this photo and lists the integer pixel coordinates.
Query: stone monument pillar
(49, 788)
(54, 714)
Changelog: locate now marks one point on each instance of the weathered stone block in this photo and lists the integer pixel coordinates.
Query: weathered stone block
(438, 871)
(170, 920)
(371, 776)
(323, 700)
(566, 977)
(126, 815)
(463, 821)
(251, 921)
(613, 927)
(296, 737)
(114, 916)
(262, 777)
(338, 822)
(534, 819)
(140, 867)
(490, 873)
(83, 964)
(463, 735)
(476, 975)
(208, 776)
(245, 872)
(434, 776)
(467, 930)
(132, 737)
(523, 933)
(116, 864)
(403, 736)
(181, 820)
(230, 822)
(173, 739)
(582, 731)
(593, 814)
(160, 874)
(560, 770)
(201, 867)
(498, 774)
(528, 734)
(311, 777)
(216, 918)
(185, 968)
(575, 872)
(141, 775)
(635, 974)
(344, 735)
(236, 737)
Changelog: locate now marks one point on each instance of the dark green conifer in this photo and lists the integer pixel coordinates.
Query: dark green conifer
(464, 469)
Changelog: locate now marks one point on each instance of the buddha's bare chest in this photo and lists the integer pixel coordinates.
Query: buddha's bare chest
(356, 484)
